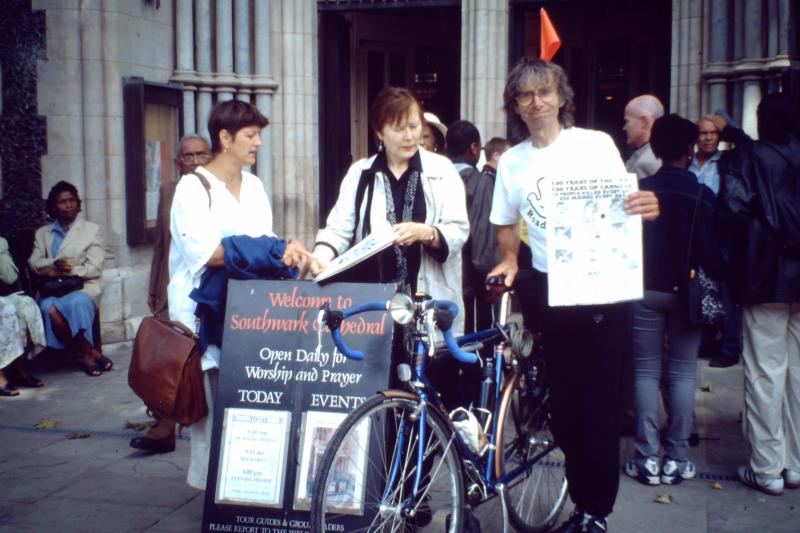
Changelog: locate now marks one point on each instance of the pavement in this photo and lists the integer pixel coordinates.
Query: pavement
(76, 472)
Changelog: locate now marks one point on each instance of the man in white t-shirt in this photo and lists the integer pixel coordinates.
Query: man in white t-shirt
(584, 345)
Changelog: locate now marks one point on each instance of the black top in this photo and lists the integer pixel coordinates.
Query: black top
(418, 212)
(760, 218)
(666, 239)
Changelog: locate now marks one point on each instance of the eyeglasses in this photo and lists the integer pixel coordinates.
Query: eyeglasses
(525, 98)
(200, 157)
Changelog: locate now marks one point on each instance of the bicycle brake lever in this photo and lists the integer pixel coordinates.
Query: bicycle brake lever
(320, 322)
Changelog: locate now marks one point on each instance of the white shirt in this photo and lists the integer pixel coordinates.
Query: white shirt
(197, 230)
(524, 173)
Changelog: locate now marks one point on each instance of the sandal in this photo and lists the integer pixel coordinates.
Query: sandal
(30, 381)
(104, 363)
(8, 390)
(94, 370)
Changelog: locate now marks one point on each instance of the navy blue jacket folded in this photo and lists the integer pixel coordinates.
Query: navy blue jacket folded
(245, 258)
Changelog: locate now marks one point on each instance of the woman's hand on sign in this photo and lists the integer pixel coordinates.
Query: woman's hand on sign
(643, 203)
(318, 261)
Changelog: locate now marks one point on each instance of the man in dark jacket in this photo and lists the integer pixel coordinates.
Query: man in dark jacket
(478, 255)
(760, 219)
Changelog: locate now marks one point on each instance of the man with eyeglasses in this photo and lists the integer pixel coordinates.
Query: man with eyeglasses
(193, 151)
(584, 346)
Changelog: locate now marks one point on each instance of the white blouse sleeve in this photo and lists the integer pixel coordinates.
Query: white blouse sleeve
(195, 232)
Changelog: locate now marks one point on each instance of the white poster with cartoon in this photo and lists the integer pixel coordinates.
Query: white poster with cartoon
(594, 251)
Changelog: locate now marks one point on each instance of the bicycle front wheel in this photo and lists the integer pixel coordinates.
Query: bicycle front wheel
(366, 478)
(536, 495)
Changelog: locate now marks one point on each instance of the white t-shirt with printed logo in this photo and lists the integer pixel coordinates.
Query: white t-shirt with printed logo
(524, 173)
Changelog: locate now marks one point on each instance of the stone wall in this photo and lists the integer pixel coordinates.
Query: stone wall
(91, 46)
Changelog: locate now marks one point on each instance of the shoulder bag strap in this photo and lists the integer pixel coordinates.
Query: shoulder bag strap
(206, 185)
(691, 232)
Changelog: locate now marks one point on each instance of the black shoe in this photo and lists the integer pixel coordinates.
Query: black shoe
(152, 445)
(723, 362)
(580, 522)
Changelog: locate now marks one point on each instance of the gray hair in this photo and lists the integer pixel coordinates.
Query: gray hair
(189, 137)
(648, 106)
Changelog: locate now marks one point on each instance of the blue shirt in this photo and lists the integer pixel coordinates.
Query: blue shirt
(708, 174)
(59, 233)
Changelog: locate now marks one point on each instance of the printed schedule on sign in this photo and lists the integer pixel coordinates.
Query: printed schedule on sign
(253, 462)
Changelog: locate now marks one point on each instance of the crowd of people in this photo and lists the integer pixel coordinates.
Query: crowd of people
(732, 214)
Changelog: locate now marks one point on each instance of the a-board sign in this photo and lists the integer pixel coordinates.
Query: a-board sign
(280, 400)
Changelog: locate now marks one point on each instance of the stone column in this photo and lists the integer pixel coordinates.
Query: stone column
(92, 184)
(224, 50)
(484, 28)
(184, 41)
(241, 48)
(263, 97)
(738, 29)
(718, 50)
(787, 32)
(685, 92)
(753, 49)
(202, 42)
(295, 190)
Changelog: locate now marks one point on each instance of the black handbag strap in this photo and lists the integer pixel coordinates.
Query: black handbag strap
(691, 232)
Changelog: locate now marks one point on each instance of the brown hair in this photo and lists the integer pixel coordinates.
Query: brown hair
(540, 70)
(232, 115)
(391, 105)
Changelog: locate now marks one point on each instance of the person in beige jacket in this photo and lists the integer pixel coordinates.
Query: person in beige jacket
(71, 247)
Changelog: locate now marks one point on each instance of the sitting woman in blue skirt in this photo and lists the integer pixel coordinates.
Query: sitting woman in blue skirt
(68, 257)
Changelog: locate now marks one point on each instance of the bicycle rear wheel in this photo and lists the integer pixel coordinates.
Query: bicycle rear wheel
(534, 497)
(367, 473)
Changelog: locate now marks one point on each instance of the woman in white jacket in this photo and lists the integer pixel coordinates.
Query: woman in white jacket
(417, 193)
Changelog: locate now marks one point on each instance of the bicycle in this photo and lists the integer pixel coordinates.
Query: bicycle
(425, 473)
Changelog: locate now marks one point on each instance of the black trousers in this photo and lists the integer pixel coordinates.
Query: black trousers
(585, 349)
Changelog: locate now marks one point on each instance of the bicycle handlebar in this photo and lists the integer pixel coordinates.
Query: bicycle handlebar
(334, 319)
(449, 340)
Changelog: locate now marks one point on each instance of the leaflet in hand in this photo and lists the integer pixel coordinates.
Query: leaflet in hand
(371, 245)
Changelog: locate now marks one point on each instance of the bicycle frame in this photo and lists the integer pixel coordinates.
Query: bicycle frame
(481, 468)
(426, 392)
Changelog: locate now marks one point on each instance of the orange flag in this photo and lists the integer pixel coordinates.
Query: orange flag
(550, 42)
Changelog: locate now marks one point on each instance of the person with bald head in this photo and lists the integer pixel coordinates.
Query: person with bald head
(640, 114)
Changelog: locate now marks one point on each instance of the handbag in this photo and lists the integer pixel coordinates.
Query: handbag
(60, 286)
(165, 371)
(702, 300)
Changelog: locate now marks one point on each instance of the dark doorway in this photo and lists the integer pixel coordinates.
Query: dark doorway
(612, 51)
(369, 46)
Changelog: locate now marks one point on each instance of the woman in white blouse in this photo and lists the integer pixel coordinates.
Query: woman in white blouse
(218, 200)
